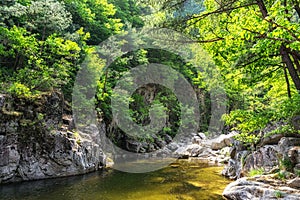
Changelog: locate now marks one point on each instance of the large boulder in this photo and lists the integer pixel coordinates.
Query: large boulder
(195, 150)
(222, 141)
(246, 189)
(233, 169)
(270, 140)
(264, 158)
(294, 154)
(286, 143)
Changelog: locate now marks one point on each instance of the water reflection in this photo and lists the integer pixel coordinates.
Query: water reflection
(183, 180)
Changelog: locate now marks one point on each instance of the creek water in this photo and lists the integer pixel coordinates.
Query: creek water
(183, 180)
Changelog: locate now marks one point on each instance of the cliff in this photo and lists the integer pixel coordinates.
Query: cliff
(37, 141)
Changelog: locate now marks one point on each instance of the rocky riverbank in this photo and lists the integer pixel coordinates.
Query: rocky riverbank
(263, 188)
(273, 166)
(36, 141)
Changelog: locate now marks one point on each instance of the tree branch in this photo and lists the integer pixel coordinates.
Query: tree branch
(218, 11)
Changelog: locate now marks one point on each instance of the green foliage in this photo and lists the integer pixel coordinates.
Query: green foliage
(47, 17)
(297, 172)
(247, 46)
(278, 194)
(44, 42)
(129, 12)
(96, 16)
(247, 139)
(282, 175)
(20, 90)
(249, 121)
(290, 107)
(255, 172)
(246, 121)
(286, 164)
(35, 56)
(285, 130)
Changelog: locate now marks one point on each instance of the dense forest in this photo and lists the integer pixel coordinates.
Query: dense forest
(214, 79)
(254, 46)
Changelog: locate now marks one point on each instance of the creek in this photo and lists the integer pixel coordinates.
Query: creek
(183, 180)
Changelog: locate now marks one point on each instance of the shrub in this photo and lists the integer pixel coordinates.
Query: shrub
(20, 90)
(255, 172)
(278, 194)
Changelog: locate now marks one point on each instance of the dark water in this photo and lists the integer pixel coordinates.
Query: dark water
(184, 180)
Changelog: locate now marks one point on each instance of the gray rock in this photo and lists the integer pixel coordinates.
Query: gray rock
(286, 143)
(233, 169)
(197, 140)
(245, 189)
(134, 146)
(294, 183)
(34, 148)
(194, 150)
(297, 168)
(62, 157)
(296, 122)
(270, 140)
(181, 152)
(294, 154)
(222, 141)
(265, 157)
(225, 151)
(168, 138)
(2, 100)
(202, 136)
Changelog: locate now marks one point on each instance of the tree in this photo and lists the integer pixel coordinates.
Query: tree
(36, 51)
(129, 12)
(47, 17)
(256, 37)
(96, 16)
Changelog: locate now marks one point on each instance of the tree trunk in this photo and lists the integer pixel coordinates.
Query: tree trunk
(289, 64)
(296, 60)
(296, 6)
(262, 8)
(283, 51)
(288, 87)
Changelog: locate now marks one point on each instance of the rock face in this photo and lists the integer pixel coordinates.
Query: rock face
(283, 154)
(265, 157)
(34, 146)
(245, 189)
